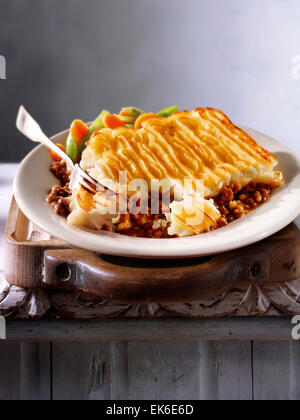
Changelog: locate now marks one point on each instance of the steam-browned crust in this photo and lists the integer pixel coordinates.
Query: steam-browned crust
(202, 144)
(208, 113)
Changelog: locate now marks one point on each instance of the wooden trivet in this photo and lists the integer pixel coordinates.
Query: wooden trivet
(44, 275)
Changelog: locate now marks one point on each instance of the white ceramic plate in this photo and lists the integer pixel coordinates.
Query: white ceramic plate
(34, 180)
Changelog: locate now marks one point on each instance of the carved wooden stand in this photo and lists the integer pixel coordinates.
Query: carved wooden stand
(45, 277)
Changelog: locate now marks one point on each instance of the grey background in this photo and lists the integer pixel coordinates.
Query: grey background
(71, 58)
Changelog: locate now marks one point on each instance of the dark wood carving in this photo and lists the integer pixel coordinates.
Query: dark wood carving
(273, 300)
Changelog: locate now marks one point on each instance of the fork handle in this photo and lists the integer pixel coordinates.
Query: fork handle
(28, 126)
(57, 150)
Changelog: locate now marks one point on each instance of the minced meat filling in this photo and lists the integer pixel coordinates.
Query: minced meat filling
(233, 202)
(60, 171)
(59, 195)
(142, 225)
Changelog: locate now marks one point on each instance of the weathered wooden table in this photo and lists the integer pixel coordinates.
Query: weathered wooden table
(146, 359)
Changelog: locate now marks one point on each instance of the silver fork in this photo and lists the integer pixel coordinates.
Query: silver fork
(27, 125)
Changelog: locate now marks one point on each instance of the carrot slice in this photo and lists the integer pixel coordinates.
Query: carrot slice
(113, 121)
(143, 118)
(125, 114)
(78, 131)
(54, 156)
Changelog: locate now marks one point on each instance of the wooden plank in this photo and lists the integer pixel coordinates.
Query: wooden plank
(226, 371)
(116, 330)
(295, 371)
(181, 371)
(137, 371)
(155, 371)
(119, 370)
(142, 371)
(208, 380)
(10, 373)
(276, 371)
(35, 371)
(81, 371)
(25, 371)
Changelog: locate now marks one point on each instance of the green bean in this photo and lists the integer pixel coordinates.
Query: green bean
(97, 125)
(167, 112)
(132, 111)
(72, 148)
(127, 120)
